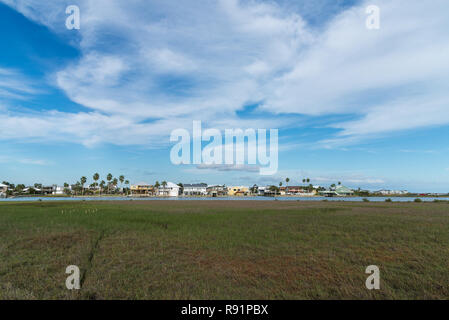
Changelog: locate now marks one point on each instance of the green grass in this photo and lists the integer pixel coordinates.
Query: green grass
(224, 249)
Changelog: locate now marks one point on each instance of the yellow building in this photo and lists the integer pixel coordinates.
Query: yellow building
(142, 190)
(238, 191)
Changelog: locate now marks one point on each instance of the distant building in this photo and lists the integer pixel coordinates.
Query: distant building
(262, 190)
(298, 190)
(391, 192)
(196, 189)
(46, 190)
(58, 190)
(170, 190)
(238, 191)
(142, 189)
(216, 191)
(294, 189)
(338, 191)
(3, 189)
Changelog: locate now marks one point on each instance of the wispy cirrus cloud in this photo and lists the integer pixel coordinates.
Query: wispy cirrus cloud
(14, 85)
(28, 161)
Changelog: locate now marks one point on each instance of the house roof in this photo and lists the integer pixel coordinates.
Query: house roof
(195, 185)
(3, 185)
(343, 189)
(170, 185)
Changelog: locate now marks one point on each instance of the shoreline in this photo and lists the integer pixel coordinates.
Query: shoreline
(315, 199)
(222, 197)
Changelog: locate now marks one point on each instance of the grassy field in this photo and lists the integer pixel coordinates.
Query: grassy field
(224, 249)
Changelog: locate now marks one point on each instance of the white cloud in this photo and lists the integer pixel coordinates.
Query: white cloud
(206, 59)
(13, 85)
(167, 61)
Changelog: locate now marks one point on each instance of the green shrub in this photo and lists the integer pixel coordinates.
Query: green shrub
(388, 200)
(418, 200)
(365, 200)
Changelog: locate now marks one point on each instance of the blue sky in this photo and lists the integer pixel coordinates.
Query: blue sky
(369, 108)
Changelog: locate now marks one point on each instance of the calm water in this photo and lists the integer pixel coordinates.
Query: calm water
(356, 199)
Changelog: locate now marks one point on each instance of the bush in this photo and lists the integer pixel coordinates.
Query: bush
(418, 200)
(365, 200)
(388, 200)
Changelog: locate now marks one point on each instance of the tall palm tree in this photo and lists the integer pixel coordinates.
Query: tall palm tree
(109, 178)
(287, 180)
(181, 188)
(164, 184)
(83, 180)
(127, 183)
(303, 181)
(102, 184)
(121, 179)
(67, 191)
(156, 187)
(307, 180)
(339, 183)
(96, 178)
(114, 183)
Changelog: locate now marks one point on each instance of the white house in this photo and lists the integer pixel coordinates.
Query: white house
(170, 190)
(391, 192)
(3, 189)
(339, 191)
(261, 190)
(199, 189)
(58, 190)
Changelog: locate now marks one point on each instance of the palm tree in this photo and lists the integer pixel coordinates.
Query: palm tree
(96, 178)
(164, 184)
(114, 183)
(121, 179)
(181, 188)
(303, 181)
(102, 183)
(109, 178)
(287, 180)
(37, 186)
(307, 180)
(127, 183)
(83, 180)
(339, 183)
(67, 191)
